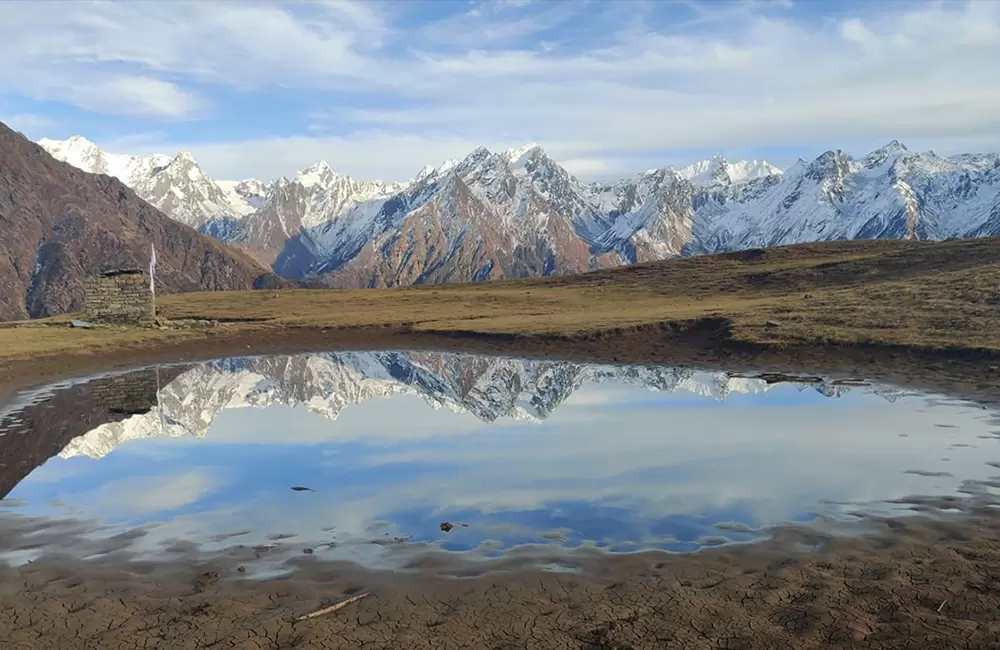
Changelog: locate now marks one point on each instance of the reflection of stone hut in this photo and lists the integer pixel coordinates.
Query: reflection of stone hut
(127, 394)
(119, 296)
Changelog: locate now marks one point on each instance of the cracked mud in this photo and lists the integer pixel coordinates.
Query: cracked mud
(918, 582)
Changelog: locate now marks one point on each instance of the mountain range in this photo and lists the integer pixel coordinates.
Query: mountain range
(60, 225)
(519, 213)
(490, 388)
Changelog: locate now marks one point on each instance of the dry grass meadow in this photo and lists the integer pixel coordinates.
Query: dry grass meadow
(926, 295)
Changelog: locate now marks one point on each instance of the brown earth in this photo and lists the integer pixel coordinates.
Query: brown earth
(61, 225)
(922, 582)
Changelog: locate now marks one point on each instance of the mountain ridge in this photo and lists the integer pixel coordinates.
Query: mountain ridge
(519, 213)
(490, 388)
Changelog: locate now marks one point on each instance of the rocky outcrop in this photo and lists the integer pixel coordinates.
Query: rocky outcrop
(61, 225)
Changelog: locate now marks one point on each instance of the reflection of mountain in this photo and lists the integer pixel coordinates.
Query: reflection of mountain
(488, 387)
(32, 434)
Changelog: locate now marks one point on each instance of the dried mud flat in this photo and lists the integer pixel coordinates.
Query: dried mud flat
(928, 581)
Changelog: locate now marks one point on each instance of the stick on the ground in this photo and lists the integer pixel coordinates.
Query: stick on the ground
(941, 606)
(335, 607)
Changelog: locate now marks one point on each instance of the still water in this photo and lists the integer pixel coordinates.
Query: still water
(371, 456)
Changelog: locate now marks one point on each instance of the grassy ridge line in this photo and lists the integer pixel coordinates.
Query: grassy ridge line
(920, 294)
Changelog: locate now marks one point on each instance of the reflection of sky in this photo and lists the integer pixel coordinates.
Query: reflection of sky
(615, 466)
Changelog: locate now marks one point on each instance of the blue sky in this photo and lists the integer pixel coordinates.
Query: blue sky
(380, 89)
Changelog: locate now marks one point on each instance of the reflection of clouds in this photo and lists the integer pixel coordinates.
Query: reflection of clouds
(613, 457)
(778, 461)
(599, 395)
(150, 494)
(56, 470)
(372, 419)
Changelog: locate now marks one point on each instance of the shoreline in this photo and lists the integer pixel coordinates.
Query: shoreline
(969, 373)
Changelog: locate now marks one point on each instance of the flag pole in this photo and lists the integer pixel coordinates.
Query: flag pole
(152, 276)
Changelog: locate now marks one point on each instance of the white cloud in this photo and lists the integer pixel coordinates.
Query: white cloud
(139, 96)
(32, 125)
(591, 83)
(855, 30)
(150, 494)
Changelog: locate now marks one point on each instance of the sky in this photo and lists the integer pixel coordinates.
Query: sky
(380, 89)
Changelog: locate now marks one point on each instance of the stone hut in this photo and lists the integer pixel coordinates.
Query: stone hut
(119, 296)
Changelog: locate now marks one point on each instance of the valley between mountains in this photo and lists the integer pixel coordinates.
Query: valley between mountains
(518, 213)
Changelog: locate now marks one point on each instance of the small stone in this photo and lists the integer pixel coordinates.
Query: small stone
(772, 323)
(446, 526)
(205, 580)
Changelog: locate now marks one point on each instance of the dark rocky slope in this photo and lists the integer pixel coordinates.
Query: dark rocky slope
(58, 225)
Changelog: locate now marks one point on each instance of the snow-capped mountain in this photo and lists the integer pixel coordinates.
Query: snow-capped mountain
(892, 193)
(84, 154)
(490, 388)
(176, 185)
(718, 171)
(519, 213)
(317, 198)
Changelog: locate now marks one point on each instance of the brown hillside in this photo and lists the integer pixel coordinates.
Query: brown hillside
(59, 224)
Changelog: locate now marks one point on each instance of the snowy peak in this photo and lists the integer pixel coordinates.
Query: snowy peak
(185, 167)
(77, 151)
(894, 147)
(514, 154)
(176, 185)
(318, 174)
(84, 154)
(831, 165)
(718, 171)
(250, 187)
(475, 157)
(244, 196)
(879, 157)
(425, 172)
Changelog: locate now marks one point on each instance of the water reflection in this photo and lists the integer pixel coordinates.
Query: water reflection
(507, 451)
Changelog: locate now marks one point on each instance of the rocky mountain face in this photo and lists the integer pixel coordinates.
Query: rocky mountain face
(489, 388)
(519, 213)
(61, 225)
